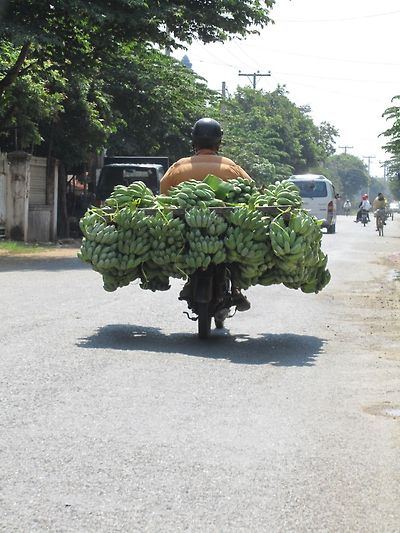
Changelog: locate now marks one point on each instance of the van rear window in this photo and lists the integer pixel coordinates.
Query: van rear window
(311, 189)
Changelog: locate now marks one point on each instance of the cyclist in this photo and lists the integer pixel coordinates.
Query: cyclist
(379, 207)
(347, 207)
(206, 140)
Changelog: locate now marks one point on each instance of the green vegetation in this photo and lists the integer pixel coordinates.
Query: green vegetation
(349, 174)
(392, 147)
(270, 136)
(15, 248)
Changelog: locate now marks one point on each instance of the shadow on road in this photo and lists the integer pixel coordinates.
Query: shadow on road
(51, 264)
(276, 349)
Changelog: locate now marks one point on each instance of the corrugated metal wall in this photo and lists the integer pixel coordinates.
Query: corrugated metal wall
(37, 194)
(3, 181)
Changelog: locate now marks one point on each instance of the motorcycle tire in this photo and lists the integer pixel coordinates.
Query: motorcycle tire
(204, 320)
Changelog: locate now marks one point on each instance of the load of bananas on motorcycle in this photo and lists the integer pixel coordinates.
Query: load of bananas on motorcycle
(124, 243)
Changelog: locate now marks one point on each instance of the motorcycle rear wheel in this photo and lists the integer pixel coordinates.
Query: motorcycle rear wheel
(204, 320)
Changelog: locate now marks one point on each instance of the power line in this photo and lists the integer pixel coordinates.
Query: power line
(359, 17)
(324, 58)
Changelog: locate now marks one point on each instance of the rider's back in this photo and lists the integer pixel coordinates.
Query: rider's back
(198, 166)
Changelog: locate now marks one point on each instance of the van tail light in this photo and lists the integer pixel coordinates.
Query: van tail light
(331, 207)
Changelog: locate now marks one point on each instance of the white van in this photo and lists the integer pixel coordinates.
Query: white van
(319, 198)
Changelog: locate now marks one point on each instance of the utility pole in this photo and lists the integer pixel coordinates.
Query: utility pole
(384, 165)
(223, 91)
(345, 148)
(223, 95)
(255, 75)
(369, 157)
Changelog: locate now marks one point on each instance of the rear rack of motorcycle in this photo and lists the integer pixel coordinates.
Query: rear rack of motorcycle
(177, 211)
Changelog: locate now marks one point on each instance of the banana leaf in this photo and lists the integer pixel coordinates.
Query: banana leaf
(220, 187)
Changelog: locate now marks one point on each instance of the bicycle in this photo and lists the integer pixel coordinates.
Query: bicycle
(380, 221)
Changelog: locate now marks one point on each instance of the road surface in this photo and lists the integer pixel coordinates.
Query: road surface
(115, 417)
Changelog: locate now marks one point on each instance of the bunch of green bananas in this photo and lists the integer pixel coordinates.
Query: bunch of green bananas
(125, 243)
(98, 230)
(241, 247)
(203, 249)
(168, 240)
(200, 217)
(281, 193)
(137, 193)
(241, 191)
(114, 279)
(193, 193)
(129, 217)
(250, 220)
(153, 278)
(284, 240)
(101, 256)
(318, 279)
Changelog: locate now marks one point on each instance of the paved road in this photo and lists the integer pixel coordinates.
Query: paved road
(114, 417)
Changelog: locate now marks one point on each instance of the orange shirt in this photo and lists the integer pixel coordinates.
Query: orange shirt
(198, 166)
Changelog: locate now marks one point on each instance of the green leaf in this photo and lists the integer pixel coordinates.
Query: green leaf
(213, 181)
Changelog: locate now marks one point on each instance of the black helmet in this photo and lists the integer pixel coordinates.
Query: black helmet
(207, 133)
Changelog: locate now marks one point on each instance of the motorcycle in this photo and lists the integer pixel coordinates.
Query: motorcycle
(208, 294)
(364, 217)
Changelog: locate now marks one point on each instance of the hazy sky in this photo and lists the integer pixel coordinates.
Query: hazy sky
(340, 57)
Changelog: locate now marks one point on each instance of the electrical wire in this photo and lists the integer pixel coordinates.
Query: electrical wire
(343, 19)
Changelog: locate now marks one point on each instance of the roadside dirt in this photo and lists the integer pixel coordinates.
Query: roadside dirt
(377, 305)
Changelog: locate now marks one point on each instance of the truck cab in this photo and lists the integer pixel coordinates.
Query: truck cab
(125, 173)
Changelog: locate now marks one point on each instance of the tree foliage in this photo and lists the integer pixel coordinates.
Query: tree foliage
(158, 100)
(269, 135)
(65, 59)
(392, 147)
(352, 172)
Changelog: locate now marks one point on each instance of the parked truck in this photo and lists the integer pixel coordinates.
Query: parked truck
(123, 170)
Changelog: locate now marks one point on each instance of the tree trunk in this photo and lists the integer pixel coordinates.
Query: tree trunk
(14, 71)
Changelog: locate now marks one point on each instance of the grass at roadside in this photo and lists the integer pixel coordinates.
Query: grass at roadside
(21, 249)
(14, 247)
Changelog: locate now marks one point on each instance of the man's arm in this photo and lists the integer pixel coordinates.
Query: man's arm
(168, 180)
(243, 173)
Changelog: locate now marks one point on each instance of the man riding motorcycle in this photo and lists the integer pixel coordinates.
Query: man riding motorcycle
(364, 205)
(206, 140)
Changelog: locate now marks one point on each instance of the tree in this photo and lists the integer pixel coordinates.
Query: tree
(269, 135)
(392, 147)
(327, 134)
(38, 27)
(352, 172)
(158, 100)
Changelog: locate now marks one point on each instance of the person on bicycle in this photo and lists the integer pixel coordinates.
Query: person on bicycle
(206, 140)
(364, 205)
(347, 207)
(379, 207)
